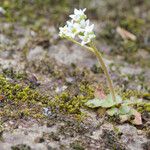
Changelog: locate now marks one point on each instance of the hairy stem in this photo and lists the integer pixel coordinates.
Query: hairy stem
(93, 49)
(99, 57)
(84, 46)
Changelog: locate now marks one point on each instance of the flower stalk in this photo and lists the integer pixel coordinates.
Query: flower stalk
(80, 32)
(109, 81)
(94, 50)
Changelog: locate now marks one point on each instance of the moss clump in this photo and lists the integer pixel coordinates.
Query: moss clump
(129, 46)
(132, 24)
(70, 103)
(30, 10)
(13, 74)
(145, 106)
(20, 101)
(131, 93)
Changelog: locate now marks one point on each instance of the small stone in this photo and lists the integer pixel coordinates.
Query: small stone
(47, 111)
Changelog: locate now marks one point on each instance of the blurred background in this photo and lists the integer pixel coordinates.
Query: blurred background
(29, 28)
(134, 16)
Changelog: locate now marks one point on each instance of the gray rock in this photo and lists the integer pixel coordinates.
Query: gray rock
(3, 39)
(130, 71)
(131, 137)
(36, 53)
(74, 54)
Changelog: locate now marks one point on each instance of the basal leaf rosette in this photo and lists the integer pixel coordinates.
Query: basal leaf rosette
(118, 107)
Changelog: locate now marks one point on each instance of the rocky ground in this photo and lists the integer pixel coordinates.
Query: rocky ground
(45, 80)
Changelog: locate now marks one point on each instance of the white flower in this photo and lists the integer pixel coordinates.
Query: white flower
(89, 28)
(78, 15)
(83, 24)
(88, 34)
(70, 30)
(73, 27)
(87, 37)
(63, 31)
(66, 32)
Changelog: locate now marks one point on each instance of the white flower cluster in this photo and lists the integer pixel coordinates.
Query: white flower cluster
(78, 27)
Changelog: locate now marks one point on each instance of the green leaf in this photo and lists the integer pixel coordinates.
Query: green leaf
(124, 110)
(108, 102)
(118, 99)
(93, 103)
(105, 103)
(112, 111)
(137, 116)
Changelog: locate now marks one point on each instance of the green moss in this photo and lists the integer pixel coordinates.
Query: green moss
(143, 107)
(132, 24)
(132, 93)
(28, 12)
(20, 101)
(129, 46)
(70, 103)
(13, 74)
